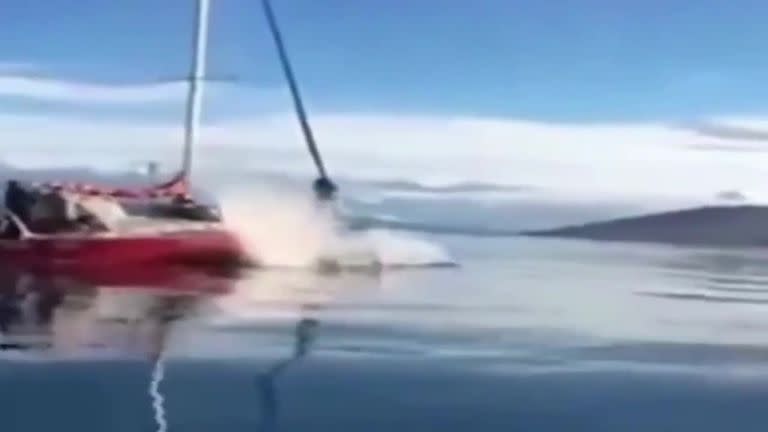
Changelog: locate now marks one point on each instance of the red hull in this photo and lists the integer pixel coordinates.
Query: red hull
(183, 247)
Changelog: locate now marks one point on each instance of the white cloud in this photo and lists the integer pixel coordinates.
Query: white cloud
(630, 160)
(78, 92)
(157, 101)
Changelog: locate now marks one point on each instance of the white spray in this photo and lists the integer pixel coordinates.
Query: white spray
(284, 228)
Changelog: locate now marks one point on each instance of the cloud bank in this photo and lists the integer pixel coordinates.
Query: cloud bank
(639, 161)
(610, 160)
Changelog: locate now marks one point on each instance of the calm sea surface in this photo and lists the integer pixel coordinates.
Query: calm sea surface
(530, 335)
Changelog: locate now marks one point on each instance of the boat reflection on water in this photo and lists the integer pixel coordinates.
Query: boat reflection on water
(145, 321)
(124, 312)
(121, 314)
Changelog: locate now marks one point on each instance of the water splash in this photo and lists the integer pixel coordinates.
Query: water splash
(284, 228)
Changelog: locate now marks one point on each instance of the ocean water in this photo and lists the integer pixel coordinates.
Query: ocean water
(521, 334)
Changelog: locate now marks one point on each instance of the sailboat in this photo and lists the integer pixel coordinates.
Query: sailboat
(173, 198)
(97, 231)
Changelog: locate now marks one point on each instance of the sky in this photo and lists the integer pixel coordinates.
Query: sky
(506, 91)
(591, 60)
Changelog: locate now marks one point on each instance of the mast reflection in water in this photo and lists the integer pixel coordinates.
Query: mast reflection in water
(140, 323)
(305, 334)
(58, 317)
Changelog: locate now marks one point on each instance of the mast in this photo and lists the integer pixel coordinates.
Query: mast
(195, 89)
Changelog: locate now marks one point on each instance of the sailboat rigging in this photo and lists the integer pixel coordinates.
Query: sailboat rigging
(179, 184)
(196, 80)
(324, 188)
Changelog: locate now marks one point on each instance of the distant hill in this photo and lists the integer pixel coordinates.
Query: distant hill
(733, 226)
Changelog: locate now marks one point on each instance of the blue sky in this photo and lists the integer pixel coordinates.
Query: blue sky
(588, 60)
